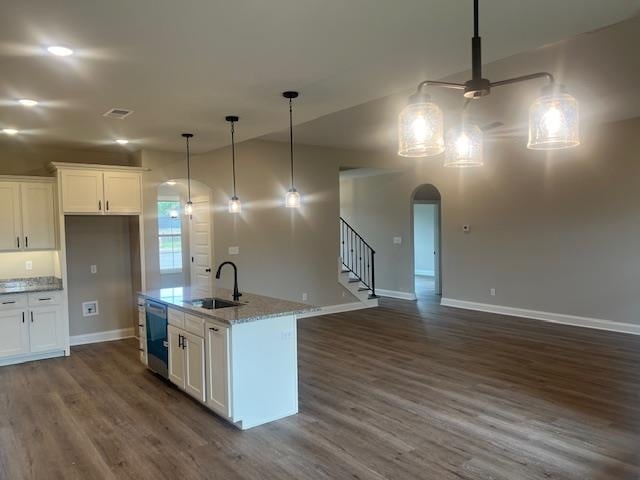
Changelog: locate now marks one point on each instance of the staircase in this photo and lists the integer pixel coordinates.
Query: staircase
(356, 265)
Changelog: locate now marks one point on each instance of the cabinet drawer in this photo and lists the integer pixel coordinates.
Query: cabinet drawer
(140, 304)
(194, 324)
(45, 298)
(13, 301)
(176, 318)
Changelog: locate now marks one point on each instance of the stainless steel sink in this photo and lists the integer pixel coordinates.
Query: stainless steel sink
(213, 303)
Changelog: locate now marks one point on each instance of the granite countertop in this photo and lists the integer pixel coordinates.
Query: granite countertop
(25, 285)
(254, 307)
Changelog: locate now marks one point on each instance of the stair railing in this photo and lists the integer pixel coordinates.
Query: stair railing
(357, 256)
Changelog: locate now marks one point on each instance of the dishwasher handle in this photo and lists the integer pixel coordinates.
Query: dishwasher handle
(156, 309)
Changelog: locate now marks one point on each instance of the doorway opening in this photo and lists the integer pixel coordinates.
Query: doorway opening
(427, 260)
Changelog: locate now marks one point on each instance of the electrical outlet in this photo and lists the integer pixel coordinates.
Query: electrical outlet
(466, 228)
(94, 269)
(89, 309)
(397, 240)
(234, 250)
(305, 297)
(492, 291)
(28, 265)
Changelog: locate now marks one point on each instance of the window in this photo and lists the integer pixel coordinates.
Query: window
(170, 236)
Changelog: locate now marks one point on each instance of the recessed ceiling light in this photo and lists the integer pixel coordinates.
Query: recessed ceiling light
(171, 182)
(59, 51)
(9, 131)
(122, 141)
(27, 102)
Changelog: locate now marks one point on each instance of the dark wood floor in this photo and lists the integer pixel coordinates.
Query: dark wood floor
(408, 390)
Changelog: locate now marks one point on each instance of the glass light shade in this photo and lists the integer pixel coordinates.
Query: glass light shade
(173, 214)
(292, 199)
(420, 129)
(464, 146)
(188, 208)
(234, 205)
(553, 121)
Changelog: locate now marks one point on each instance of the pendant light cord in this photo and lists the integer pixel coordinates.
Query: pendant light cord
(476, 22)
(233, 157)
(188, 170)
(291, 138)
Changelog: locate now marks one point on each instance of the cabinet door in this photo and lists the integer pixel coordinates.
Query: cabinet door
(14, 333)
(45, 329)
(10, 218)
(194, 366)
(218, 369)
(38, 218)
(176, 356)
(82, 191)
(122, 192)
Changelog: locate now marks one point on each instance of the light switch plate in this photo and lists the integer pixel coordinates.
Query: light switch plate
(234, 250)
(397, 240)
(28, 265)
(94, 269)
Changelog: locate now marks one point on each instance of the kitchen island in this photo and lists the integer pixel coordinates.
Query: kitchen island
(239, 358)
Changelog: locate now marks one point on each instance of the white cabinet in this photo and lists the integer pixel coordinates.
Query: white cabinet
(38, 216)
(14, 333)
(218, 369)
(142, 331)
(186, 362)
(10, 219)
(194, 366)
(31, 324)
(27, 215)
(176, 356)
(96, 191)
(44, 329)
(82, 191)
(122, 192)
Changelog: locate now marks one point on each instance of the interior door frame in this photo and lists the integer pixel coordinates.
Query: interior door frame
(437, 242)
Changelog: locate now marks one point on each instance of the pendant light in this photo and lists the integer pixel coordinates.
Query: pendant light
(234, 203)
(464, 145)
(292, 199)
(188, 207)
(553, 118)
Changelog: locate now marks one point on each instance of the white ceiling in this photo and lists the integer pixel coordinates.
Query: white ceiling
(184, 65)
(601, 69)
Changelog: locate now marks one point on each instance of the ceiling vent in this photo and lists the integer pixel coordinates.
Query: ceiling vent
(119, 113)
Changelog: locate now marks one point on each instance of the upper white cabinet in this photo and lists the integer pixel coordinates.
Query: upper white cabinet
(82, 191)
(100, 189)
(38, 217)
(27, 215)
(11, 231)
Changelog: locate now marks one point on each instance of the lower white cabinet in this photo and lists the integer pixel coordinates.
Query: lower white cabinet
(218, 369)
(31, 324)
(186, 362)
(14, 333)
(142, 331)
(44, 328)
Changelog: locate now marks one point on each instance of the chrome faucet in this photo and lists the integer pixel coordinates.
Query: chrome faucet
(236, 294)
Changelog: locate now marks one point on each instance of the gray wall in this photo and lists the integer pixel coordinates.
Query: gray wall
(556, 231)
(424, 238)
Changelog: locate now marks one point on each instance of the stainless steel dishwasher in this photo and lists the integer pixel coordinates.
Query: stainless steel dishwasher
(157, 344)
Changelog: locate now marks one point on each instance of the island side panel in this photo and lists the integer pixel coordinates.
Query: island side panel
(264, 370)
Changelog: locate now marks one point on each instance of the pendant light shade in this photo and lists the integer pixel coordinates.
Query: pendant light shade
(188, 207)
(420, 128)
(553, 120)
(464, 146)
(292, 199)
(234, 203)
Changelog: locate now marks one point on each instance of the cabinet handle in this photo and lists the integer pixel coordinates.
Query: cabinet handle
(141, 324)
(18, 240)
(107, 205)
(214, 329)
(100, 205)
(22, 317)
(184, 342)
(26, 241)
(44, 299)
(31, 317)
(141, 349)
(179, 341)
(8, 302)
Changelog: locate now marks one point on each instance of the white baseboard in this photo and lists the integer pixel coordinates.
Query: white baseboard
(102, 336)
(342, 307)
(425, 273)
(395, 294)
(562, 318)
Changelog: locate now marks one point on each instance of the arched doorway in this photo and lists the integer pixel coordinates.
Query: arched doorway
(426, 236)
